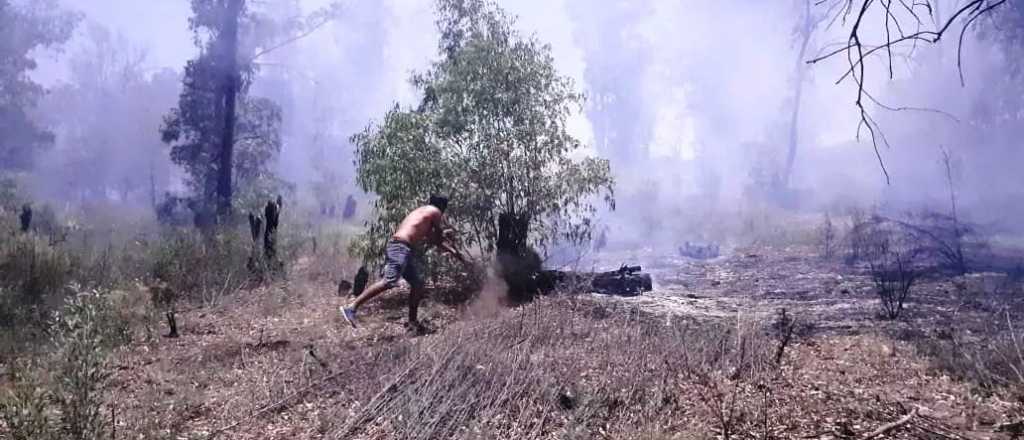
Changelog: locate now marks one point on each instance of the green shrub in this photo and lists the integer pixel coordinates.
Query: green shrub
(62, 395)
(24, 408)
(84, 332)
(203, 267)
(32, 275)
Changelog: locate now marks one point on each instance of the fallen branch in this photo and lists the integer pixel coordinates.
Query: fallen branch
(377, 402)
(830, 432)
(1013, 428)
(891, 426)
(283, 403)
(273, 406)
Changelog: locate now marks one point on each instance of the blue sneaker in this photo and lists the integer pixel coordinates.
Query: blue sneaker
(349, 314)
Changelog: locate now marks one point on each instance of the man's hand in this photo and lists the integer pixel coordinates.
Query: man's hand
(445, 239)
(454, 252)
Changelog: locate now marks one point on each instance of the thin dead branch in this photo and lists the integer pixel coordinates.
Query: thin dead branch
(891, 426)
(857, 51)
(282, 403)
(319, 19)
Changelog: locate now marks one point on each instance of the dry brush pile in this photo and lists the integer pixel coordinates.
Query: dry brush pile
(561, 368)
(571, 367)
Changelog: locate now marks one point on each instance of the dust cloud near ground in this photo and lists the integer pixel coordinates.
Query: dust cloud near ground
(492, 298)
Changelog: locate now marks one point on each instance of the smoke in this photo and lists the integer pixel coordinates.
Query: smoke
(691, 101)
(492, 297)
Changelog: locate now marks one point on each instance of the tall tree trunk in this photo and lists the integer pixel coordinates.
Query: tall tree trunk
(152, 185)
(801, 70)
(229, 45)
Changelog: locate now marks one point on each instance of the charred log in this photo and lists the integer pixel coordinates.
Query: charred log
(26, 217)
(361, 279)
(255, 231)
(172, 323)
(625, 281)
(344, 286)
(271, 214)
(255, 226)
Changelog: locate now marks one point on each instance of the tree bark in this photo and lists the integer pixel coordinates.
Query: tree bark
(271, 215)
(512, 232)
(517, 263)
(26, 218)
(801, 70)
(172, 324)
(229, 46)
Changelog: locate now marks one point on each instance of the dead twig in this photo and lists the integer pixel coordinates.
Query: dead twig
(891, 426)
(858, 51)
(273, 406)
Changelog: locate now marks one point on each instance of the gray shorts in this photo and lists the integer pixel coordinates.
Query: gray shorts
(399, 262)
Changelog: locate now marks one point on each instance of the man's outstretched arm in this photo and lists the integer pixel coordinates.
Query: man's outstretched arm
(440, 227)
(451, 250)
(447, 246)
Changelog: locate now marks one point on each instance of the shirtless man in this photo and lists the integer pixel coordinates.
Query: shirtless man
(423, 224)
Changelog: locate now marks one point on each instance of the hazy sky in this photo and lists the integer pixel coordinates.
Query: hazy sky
(158, 26)
(738, 50)
(707, 80)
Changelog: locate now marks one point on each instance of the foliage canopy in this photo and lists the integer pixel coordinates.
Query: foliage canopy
(195, 127)
(490, 131)
(27, 26)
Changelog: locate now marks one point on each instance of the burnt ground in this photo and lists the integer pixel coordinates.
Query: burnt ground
(256, 365)
(832, 297)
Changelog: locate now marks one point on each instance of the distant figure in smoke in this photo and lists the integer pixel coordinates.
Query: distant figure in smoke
(350, 208)
(422, 225)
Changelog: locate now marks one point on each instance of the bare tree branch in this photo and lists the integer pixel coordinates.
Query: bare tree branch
(319, 18)
(857, 52)
(908, 108)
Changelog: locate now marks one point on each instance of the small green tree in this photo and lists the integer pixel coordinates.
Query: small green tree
(490, 132)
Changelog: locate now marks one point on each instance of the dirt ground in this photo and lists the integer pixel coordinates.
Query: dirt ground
(278, 362)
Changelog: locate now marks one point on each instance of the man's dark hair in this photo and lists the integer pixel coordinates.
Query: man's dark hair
(439, 201)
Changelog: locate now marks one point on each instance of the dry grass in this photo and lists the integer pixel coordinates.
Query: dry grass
(557, 367)
(275, 361)
(280, 364)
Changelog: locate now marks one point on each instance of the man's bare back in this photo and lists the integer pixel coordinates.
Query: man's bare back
(420, 224)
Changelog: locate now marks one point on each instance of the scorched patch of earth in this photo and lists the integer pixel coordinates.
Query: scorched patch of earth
(753, 281)
(760, 281)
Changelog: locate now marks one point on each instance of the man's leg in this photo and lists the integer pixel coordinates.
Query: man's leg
(375, 289)
(349, 312)
(396, 262)
(416, 290)
(395, 258)
(415, 294)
